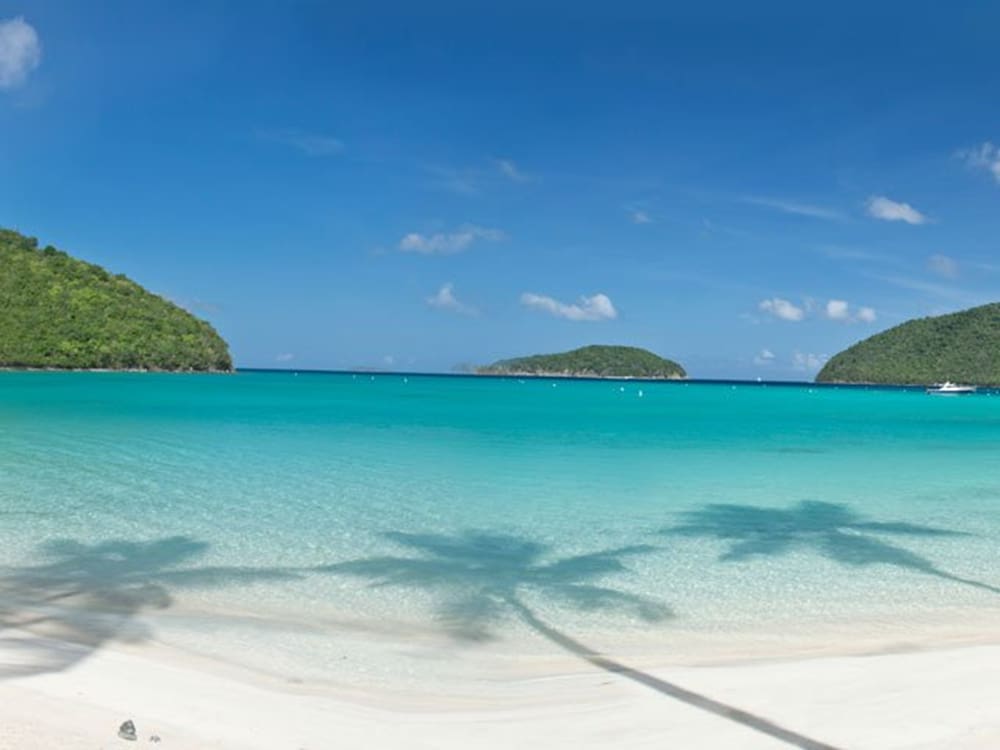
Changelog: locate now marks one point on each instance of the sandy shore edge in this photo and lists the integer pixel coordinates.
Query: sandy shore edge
(920, 700)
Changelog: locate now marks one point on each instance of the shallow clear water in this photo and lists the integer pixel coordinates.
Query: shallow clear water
(217, 513)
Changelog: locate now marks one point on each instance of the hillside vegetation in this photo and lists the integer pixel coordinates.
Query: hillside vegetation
(963, 347)
(591, 361)
(60, 312)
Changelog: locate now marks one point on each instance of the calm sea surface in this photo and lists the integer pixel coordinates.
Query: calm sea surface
(294, 521)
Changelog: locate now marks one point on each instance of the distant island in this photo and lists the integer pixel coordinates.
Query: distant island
(962, 347)
(58, 312)
(590, 362)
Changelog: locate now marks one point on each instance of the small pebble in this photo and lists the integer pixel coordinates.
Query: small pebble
(127, 731)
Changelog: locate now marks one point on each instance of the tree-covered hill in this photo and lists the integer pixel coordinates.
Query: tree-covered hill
(60, 312)
(963, 347)
(591, 361)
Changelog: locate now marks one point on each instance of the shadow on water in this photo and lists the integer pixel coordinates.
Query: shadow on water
(829, 529)
(480, 579)
(82, 596)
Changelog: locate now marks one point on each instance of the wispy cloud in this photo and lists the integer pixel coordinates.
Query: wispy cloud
(985, 156)
(852, 253)
(20, 52)
(880, 207)
(284, 357)
(764, 357)
(943, 266)
(448, 243)
(638, 216)
(475, 179)
(947, 292)
(793, 207)
(445, 299)
(782, 309)
(461, 181)
(806, 362)
(988, 267)
(593, 308)
(310, 144)
(511, 171)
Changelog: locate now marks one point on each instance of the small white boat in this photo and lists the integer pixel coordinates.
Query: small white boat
(950, 389)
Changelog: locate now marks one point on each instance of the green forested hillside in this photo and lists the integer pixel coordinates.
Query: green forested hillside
(963, 347)
(591, 361)
(60, 312)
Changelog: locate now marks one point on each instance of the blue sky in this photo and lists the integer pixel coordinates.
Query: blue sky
(746, 188)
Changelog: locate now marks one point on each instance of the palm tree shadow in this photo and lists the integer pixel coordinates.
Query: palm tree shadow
(82, 596)
(832, 530)
(480, 578)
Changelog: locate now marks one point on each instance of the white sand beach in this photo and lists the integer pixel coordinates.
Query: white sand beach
(945, 698)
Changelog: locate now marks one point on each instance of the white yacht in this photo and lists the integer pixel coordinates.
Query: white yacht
(950, 389)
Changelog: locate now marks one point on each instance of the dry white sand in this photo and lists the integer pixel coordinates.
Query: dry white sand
(947, 698)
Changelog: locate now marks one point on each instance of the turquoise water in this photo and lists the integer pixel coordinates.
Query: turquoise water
(285, 520)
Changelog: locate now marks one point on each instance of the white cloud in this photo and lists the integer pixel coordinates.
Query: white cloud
(808, 362)
(764, 357)
(880, 207)
(639, 217)
(510, 170)
(792, 207)
(985, 156)
(445, 299)
(388, 360)
(782, 308)
(866, 314)
(944, 266)
(837, 309)
(596, 307)
(284, 357)
(20, 52)
(834, 309)
(448, 243)
(310, 144)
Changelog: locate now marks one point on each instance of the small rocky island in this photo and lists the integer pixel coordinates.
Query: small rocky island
(590, 362)
(962, 347)
(57, 312)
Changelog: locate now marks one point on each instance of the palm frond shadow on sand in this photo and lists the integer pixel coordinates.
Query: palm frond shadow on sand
(479, 579)
(831, 530)
(82, 596)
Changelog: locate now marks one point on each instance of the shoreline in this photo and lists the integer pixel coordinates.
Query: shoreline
(983, 389)
(672, 646)
(941, 697)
